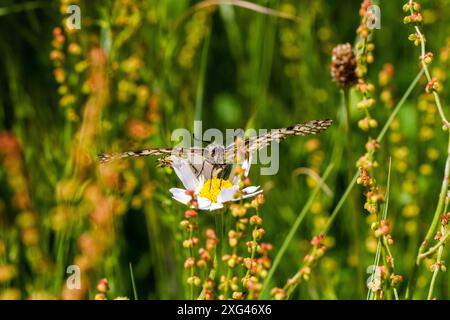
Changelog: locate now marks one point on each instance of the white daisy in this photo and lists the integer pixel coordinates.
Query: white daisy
(211, 194)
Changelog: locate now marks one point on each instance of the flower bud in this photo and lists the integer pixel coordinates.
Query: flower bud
(233, 242)
(237, 295)
(103, 285)
(190, 214)
(210, 233)
(201, 263)
(374, 226)
(184, 223)
(189, 263)
(256, 220)
(187, 243)
(428, 58)
(195, 241)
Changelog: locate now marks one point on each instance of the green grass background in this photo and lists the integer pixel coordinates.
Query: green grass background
(231, 68)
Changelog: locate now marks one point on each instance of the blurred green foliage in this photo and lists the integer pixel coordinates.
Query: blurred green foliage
(139, 69)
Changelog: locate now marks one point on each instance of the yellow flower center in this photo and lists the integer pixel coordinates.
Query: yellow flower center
(212, 188)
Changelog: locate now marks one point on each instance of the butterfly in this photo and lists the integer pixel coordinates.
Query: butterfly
(215, 157)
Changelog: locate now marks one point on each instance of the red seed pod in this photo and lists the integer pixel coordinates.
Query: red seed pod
(190, 214)
(210, 233)
(256, 220)
(189, 263)
(103, 285)
(316, 240)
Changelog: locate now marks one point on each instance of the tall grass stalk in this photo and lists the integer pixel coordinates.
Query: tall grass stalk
(370, 293)
(133, 284)
(437, 268)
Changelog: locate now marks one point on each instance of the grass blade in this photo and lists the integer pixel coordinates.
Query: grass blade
(133, 284)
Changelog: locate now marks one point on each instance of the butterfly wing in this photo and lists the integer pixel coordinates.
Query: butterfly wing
(164, 152)
(252, 144)
(234, 153)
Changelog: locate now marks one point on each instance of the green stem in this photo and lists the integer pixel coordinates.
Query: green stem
(132, 282)
(346, 100)
(211, 275)
(254, 245)
(354, 201)
(220, 237)
(218, 218)
(436, 270)
(399, 105)
(191, 271)
(427, 72)
(435, 247)
(230, 269)
(433, 226)
(370, 295)
(441, 201)
(292, 231)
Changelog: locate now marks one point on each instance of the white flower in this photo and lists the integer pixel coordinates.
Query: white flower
(211, 194)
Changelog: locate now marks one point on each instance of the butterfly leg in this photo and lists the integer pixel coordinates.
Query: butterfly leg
(211, 176)
(221, 173)
(201, 169)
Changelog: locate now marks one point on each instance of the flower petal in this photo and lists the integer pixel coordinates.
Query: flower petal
(185, 173)
(200, 183)
(249, 195)
(203, 203)
(215, 206)
(250, 189)
(180, 195)
(206, 204)
(227, 194)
